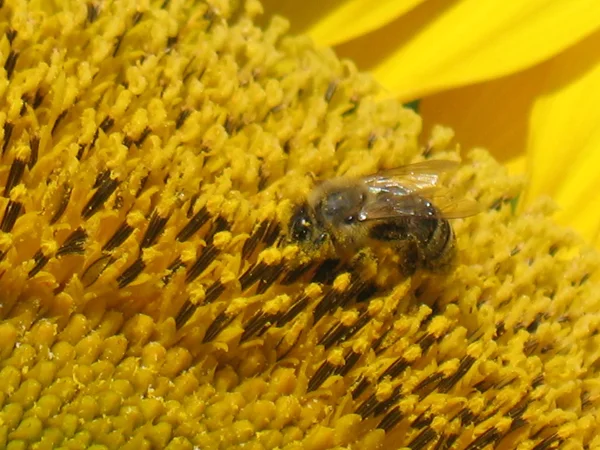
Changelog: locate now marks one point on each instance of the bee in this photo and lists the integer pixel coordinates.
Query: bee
(407, 208)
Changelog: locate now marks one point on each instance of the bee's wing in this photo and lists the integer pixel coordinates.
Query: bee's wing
(397, 204)
(412, 177)
(401, 192)
(451, 207)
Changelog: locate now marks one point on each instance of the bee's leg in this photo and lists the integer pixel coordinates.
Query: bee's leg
(397, 233)
(440, 249)
(409, 258)
(392, 231)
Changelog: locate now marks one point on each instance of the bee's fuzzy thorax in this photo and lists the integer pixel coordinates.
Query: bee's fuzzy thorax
(150, 297)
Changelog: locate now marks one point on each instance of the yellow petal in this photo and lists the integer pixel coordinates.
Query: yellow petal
(493, 114)
(517, 165)
(357, 17)
(442, 44)
(564, 143)
(332, 22)
(578, 192)
(551, 112)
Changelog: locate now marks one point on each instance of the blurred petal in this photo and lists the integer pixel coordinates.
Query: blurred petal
(564, 142)
(363, 15)
(494, 114)
(444, 43)
(578, 192)
(330, 22)
(517, 165)
(550, 111)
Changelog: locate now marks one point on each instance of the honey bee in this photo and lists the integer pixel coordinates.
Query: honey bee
(407, 208)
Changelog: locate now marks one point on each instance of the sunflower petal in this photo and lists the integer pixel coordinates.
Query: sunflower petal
(364, 15)
(442, 44)
(551, 112)
(564, 142)
(577, 194)
(340, 20)
(516, 165)
(492, 114)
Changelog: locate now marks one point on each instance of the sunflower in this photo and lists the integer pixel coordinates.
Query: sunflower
(152, 296)
(520, 80)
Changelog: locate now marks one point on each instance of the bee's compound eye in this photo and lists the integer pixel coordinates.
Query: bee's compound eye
(302, 231)
(301, 226)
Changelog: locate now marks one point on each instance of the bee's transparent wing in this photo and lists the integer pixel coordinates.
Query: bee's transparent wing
(405, 191)
(389, 205)
(412, 177)
(451, 207)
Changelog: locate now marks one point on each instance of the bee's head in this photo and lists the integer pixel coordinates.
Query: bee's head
(303, 227)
